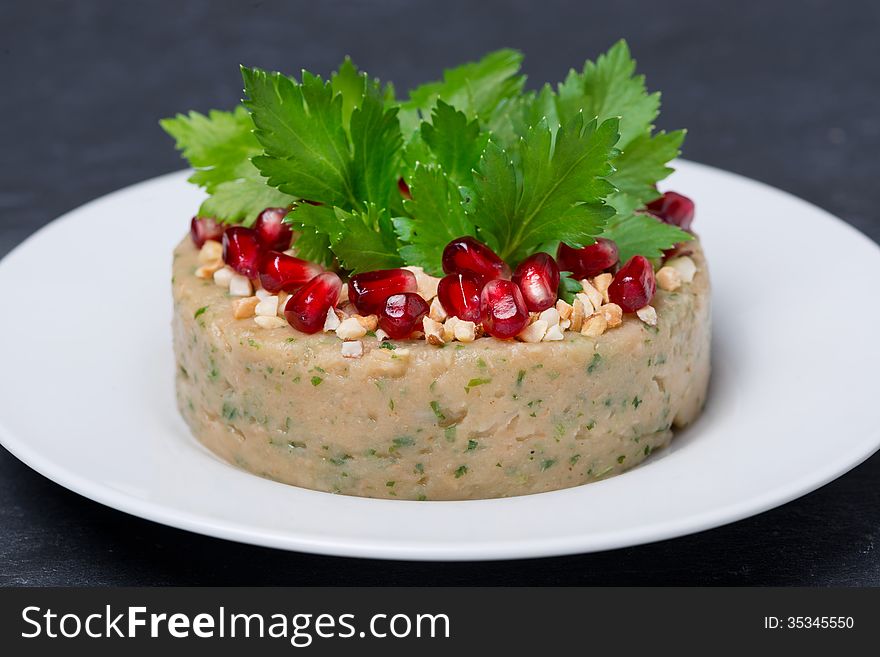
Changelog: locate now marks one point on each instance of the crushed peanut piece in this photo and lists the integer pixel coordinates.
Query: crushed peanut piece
(208, 271)
(331, 323)
(465, 331)
(551, 316)
(588, 306)
(592, 293)
(263, 294)
(433, 331)
(449, 328)
(350, 329)
(564, 309)
(668, 279)
(352, 349)
(211, 252)
(282, 302)
(594, 325)
(578, 313)
(427, 283)
(685, 267)
(437, 312)
(648, 315)
(370, 322)
(244, 308)
(613, 314)
(554, 333)
(565, 324)
(269, 322)
(268, 307)
(601, 283)
(381, 335)
(222, 277)
(240, 286)
(534, 332)
(343, 294)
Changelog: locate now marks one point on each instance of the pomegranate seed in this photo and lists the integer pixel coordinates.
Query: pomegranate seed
(633, 286)
(402, 314)
(279, 271)
(404, 188)
(538, 278)
(673, 208)
(460, 296)
(273, 233)
(202, 229)
(306, 309)
(503, 309)
(368, 291)
(241, 251)
(587, 261)
(466, 255)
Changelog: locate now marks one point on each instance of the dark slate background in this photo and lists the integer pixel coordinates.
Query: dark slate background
(785, 92)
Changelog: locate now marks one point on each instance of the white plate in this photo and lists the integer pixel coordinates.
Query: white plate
(86, 389)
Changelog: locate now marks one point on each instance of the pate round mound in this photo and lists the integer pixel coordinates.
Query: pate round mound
(485, 419)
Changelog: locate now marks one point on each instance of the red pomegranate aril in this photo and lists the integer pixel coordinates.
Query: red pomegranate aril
(273, 233)
(242, 251)
(538, 279)
(503, 308)
(465, 255)
(633, 286)
(202, 229)
(460, 296)
(306, 309)
(587, 261)
(673, 208)
(368, 291)
(404, 189)
(402, 314)
(279, 271)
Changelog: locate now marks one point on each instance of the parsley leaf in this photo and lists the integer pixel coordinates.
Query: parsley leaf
(558, 194)
(568, 286)
(306, 151)
(366, 240)
(643, 234)
(455, 143)
(219, 147)
(640, 166)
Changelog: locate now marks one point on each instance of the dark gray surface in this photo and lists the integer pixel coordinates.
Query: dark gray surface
(785, 92)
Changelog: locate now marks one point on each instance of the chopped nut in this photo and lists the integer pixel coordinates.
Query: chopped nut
(282, 302)
(269, 322)
(370, 322)
(263, 294)
(437, 312)
(268, 307)
(613, 314)
(577, 314)
(427, 283)
(465, 331)
(353, 349)
(331, 323)
(449, 328)
(685, 267)
(534, 332)
(211, 252)
(565, 324)
(208, 271)
(648, 315)
(592, 293)
(350, 329)
(588, 306)
(594, 325)
(668, 279)
(381, 335)
(433, 331)
(601, 283)
(244, 308)
(222, 277)
(343, 294)
(551, 316)
(564, 309)
(240, 286)
(553, 333)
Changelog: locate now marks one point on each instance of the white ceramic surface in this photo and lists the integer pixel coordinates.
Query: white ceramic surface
(86, 389)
